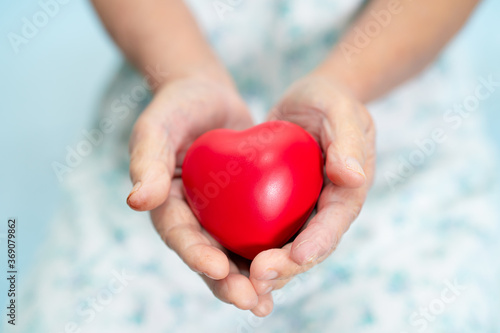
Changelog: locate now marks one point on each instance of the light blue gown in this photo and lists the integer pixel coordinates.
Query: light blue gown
(421, 257)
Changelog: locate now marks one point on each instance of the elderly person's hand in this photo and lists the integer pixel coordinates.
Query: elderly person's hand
(345, 131)
(180, 112)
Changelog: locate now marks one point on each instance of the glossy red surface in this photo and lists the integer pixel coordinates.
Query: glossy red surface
(252, 190)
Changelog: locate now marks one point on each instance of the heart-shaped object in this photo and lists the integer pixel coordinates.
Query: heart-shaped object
(252, 190)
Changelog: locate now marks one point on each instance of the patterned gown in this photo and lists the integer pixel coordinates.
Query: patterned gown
(421, 257)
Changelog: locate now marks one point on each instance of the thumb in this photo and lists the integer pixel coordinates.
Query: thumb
(345, 138)
(344, 132)
(152, 164)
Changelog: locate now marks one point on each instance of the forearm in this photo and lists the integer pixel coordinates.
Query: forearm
(159, 33)
(414, 34)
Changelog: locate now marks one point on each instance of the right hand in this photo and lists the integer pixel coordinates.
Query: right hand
(182, 110)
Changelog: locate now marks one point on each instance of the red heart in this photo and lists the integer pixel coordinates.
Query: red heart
(253, 190)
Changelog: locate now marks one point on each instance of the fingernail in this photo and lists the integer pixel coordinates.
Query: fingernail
(311, 258)
(269, 275)
(268, 290)
(211, 277)
(353, 164)
(136, 188)
(308, 251)
(266, 307)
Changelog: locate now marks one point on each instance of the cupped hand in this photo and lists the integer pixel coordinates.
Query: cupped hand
(346, 134)
(181, 111)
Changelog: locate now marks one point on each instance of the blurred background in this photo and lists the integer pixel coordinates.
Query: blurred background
(51, 87)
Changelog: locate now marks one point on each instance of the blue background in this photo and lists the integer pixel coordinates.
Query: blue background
(50, 90)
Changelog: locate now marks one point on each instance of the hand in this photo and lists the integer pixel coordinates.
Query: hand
(346, 134)
(181, 111)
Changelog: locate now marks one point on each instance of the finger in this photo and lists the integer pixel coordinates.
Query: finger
(234, 289)
(337, 209)
(265, 305)
(152, 164)
(180, 230)
(346, 138)
(310, 247)
(263, 287)
(272, 269)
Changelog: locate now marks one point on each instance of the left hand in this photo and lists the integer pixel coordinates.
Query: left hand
(345, 131)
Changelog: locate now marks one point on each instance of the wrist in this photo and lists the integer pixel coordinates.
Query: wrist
(345, 76)
(207, 70)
